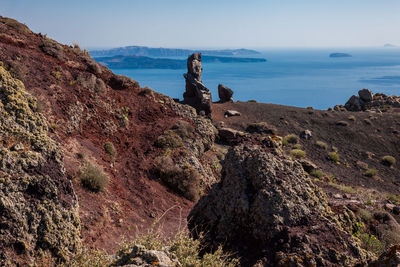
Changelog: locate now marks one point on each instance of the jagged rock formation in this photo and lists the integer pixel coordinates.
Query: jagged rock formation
(366, 100)
(38, 206)
(390, 258)
(266, 209)
(196, 93)
(225, 94)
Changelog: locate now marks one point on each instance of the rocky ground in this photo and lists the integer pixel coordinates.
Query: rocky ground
(89, 158)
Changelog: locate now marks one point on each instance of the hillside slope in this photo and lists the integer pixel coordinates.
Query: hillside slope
(87, 106)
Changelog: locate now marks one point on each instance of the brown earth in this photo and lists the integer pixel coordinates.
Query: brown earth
(87, 108)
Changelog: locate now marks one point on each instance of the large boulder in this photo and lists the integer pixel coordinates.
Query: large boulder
(365, 95)
(267, 210)
(196, 93)
(354, 104)
(225, 94)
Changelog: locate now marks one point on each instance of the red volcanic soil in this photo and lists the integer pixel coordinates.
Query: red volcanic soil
(83, 116)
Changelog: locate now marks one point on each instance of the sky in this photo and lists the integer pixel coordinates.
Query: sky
(212, 23)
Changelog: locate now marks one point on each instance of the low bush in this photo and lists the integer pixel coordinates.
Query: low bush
(169, 139)
(110, 149)
(388, 161)
(317, 173)
(184, 179)
(371, 172)
(92, 177)
(188, 251)
(297, 146)
(371, 243)
(334, 156)
(344, 188)
(298, 153)
(290, 139)
(322, 145)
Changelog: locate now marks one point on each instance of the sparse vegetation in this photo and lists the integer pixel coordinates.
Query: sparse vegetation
(297, 146)
(110, 149)
(317, 173)
(388, 161)
(395, 199)
(169, 139)
(92, 177)
(322, 145)
(365, 215)
(186, 249)
(371, 243)
(184, 179)
(371, 172)
(344, 188)
(334, 156)
(290, 139)
(298, 153)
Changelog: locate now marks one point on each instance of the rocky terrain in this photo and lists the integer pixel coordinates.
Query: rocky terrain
(97, 171)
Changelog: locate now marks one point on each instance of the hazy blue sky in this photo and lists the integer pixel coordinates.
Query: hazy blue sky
(212, 23)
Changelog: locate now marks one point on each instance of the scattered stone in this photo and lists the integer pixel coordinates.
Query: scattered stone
(229, 135)
(139, 256)
(389, 206)
(396, 210)
(231, 113)
(196, 94)
(306, 134)
(339, 108)
(308, 166)
(225, 94)
(219, 124)
(338, 196)
(365, 95)
(261, 128)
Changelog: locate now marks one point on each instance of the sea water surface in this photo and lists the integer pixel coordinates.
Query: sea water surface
(302, 77)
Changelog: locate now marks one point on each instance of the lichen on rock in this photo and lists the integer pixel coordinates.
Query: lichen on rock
(266, 209)
(38, 207)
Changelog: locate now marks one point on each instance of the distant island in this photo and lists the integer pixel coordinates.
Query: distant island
(168, 52)
(340, 55)
(141, 62)
(389, 45)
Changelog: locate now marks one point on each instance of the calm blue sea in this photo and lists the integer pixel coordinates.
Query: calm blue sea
(290, 77)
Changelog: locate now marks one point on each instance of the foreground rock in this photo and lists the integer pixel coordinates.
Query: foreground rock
(366, 100)
(225, 94)
(38, 206)
(196, 93)
(139, 256)
(267, 210)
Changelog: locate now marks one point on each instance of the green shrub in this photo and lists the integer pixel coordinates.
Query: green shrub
(388, 161)
(297, 146)
(298, 153)
(365, 215)
(334, 156)
(371, 243)
(322, 145)
(290, 139)
(187, 250)
(371, 172)
(110, 149)
(92, 177)
(317, 173)
(88, 257)
(395, 199)
(169, 139)
(344, 188)
(184, 179)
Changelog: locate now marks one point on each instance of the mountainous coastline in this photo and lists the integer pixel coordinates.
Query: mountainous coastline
(141, 62)
(168, 52)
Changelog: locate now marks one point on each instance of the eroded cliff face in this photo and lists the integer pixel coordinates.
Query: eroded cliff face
(38, 207)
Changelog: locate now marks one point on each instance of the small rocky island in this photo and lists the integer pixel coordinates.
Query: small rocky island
(334, 55)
